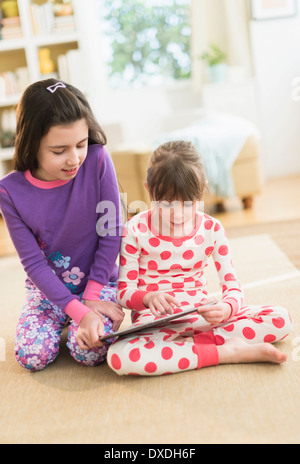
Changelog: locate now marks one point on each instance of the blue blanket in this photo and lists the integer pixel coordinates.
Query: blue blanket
(220, 138)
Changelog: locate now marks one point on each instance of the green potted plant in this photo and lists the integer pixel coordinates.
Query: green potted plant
(215, 58)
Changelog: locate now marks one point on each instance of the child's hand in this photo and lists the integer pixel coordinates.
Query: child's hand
(216, 313)
(90, 330)
(160, 303)
(107, 308)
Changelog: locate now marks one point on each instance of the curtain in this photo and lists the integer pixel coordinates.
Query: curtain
(226, 24)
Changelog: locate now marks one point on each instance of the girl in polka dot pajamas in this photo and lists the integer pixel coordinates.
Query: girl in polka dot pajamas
(163, 256)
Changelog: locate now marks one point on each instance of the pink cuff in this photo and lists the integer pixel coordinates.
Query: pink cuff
(234, 305)
(137, 300)
(76, 310)
(206, 349)
(92, 291)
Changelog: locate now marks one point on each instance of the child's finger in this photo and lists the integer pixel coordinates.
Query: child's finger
(83, 343)
(173, 300)
(154, 311)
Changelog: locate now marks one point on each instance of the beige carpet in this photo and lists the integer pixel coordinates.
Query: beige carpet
(70, 404)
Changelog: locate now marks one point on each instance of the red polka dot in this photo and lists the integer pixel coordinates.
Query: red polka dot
(198, 265)
(217, 227)
(208, 224)
(178, 285)
(122, 285)
(229, 328)
(223, 250)
(165, 255)
(132, 275)
(152, 265)
(176, 266)
(191, 292)
(161, 282)
(149, 345)
(152, 288)
(177, 242)
(151, 367)
(154, 242)
(132, 342)
(209, 251)
(278, 322)
(184, 363)
(199, 240)
(188, 254)
(130, 249)
(266, 312)
(218, 266)
(122, 261)
(229, 278)
(269, 338)
(249, 333)
(116, 362)
(143, 228)
(134, 355)
(166, 353)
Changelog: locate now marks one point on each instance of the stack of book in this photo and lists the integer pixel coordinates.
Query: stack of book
(13, 83)
(11, 28)
(44, 20)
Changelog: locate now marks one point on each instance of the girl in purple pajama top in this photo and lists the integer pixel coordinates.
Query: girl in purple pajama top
(55, 206)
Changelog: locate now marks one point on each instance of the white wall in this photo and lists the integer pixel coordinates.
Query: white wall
(276, 55)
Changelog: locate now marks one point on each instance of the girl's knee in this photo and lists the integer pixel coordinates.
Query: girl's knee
(33, 358)
(88, 358)
(114, 361)
(282, 320)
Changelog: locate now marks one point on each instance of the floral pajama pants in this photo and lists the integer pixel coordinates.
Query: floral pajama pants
(191, 343)
(39, 332)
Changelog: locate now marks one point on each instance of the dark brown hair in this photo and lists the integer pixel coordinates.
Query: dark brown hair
(39, 110)
(176, 172)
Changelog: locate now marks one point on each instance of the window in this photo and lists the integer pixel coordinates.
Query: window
(147, 41)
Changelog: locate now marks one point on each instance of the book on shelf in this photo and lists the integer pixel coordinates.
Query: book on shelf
(13, 83)
(11, 28)
(70, 68)
(45, 22)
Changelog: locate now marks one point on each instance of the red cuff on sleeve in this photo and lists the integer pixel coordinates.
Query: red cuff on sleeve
(136, 301)
(76, 310)
(92, 291)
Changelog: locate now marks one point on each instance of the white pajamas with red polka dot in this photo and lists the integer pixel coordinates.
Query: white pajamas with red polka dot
(151, 262)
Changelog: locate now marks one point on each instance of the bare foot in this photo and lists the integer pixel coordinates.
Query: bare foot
(237, 351)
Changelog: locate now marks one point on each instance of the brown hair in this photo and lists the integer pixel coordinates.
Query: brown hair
(39, 110)
(176, 172)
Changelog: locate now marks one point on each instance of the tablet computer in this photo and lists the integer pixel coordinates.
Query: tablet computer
(156, 323)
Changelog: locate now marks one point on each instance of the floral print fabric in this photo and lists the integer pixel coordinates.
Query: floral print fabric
(40, 327)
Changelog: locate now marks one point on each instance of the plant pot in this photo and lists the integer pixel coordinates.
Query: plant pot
(218, 73)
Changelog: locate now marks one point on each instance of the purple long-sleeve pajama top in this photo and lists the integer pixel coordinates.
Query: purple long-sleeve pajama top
(67, 233)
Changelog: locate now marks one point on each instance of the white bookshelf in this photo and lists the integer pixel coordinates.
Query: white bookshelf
(23, 52)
